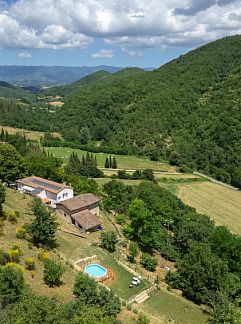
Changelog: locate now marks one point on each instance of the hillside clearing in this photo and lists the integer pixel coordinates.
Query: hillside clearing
(220, 203)
(31, 135)
(124, 161)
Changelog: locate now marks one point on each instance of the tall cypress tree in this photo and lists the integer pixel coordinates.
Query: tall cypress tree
(110, 162)
(114, 163)
(107, 165)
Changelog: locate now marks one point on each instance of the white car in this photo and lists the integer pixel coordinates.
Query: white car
(135, 281)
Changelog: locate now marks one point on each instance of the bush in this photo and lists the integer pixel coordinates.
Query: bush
(52, 273)
(16, 247)
(13, 256)
(30, 264)
(123, 303)
(108, 240)
(185, 169)
(129, 307)
(11, 284)
(120, 219)
(142, 319)
(43, 255)
(3, 258)
(12, 217)
(135, 311)
(21, 233)
(148, 262)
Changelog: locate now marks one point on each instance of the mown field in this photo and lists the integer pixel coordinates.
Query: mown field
(220, 203)
(123, 161)
(31, 135)
(163, 307)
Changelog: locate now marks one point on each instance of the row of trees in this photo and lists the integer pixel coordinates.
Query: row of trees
(110, 163)
(86, 167)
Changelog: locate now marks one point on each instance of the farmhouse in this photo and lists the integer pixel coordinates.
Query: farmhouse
(82, 211)
(49, 192)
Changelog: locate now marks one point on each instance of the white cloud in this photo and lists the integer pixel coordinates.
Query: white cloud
(131, 24)
(24, 55)
(103, 54)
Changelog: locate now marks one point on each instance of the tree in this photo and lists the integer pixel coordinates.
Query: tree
(121, 174)
(11, 164)
(202, 274)
(107, 164)
(83, 185)
(114, 163)
(52, 273)
(109, 302)
(148, 262)
(148, 174)
(136, 175)
(85, 289)
(2, 198)
(154, 155)
(133, 248)
(12, 284)
(108, 240)
(44, 225)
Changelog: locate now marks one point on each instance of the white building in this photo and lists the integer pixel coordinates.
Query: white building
(49, 192)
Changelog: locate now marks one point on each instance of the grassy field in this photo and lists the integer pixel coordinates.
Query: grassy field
(32, 135)
(220, 203)
(163, 307)
(123, 161)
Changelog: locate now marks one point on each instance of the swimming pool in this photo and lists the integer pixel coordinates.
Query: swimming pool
(95, 270)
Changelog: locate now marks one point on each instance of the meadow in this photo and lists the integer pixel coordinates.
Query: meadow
(126, 162)
(220, 203)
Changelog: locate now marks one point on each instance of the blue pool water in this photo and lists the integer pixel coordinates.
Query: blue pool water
(95, 270)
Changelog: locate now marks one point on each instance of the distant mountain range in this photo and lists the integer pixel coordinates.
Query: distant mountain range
(40, 76)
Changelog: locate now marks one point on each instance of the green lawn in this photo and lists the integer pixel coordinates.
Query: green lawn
(172, 309)
(123, 161)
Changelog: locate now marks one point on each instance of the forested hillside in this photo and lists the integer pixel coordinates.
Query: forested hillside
(188, 111)
(9, 91)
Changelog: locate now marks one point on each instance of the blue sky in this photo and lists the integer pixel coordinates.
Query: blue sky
(121, 33)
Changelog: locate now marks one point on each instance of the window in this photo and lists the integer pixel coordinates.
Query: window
(65, 195)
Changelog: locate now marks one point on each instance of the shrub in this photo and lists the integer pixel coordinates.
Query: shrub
(52, 273)
(185, 169)
(120, 219)
(12, 218)
(13, 256)
(135, 311)
(43, 255)
(30, 245)
(16, 247)
(129, 307)
(11, 284)
(123, 303)
(21, 233)
(142, 319)
(108, 240)
(3, 258)
(148, 262)
(30, 264)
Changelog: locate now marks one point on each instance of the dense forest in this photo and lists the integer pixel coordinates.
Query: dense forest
(188, 111)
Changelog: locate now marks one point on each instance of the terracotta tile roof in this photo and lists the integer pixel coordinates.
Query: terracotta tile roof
(86, 219)
(37, 182)
(79, 202)
(45, 200)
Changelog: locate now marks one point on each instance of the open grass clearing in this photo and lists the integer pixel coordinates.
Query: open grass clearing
(123, 161)
(220, 203)
(164, 307)
(16, 200)
(31, 135)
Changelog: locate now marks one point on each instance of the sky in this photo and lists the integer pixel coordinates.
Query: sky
(144, 33)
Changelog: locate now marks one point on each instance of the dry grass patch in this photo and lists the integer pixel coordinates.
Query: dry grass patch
(31, 135)
(220, 203)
